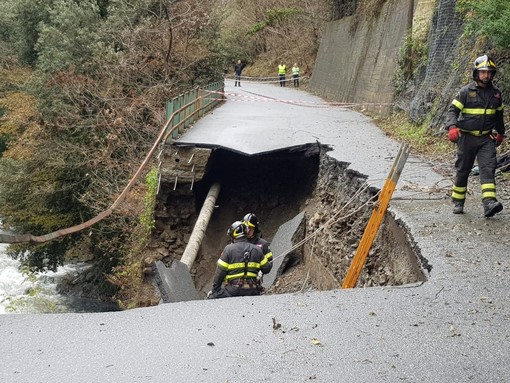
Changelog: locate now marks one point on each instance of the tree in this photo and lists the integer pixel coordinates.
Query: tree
(103, 73)
(69, 37)
(21, 20)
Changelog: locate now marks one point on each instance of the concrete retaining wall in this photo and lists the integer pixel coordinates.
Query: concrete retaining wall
(356, 65)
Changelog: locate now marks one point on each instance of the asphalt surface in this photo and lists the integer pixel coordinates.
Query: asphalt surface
(455, 327)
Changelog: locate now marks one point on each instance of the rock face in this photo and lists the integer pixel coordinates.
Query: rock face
(182, 169)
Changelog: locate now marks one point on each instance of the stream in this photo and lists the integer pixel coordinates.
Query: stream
(35, 294)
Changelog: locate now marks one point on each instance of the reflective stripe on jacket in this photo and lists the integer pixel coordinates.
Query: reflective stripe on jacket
(476, 109)
(233, 265)
(264, 245)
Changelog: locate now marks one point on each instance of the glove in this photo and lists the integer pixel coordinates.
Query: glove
(453, 133)
(499, 139)
(209, 294)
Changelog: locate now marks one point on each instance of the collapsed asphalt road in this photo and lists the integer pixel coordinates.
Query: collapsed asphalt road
(455, 327)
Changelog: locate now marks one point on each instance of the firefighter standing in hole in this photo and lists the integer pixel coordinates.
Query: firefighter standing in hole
(475, 123)
(239, 266)
(253, 233)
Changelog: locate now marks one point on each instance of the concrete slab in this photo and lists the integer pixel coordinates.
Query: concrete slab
(174, 283)
(282, 241)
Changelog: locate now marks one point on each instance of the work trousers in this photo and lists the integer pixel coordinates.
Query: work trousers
(234, 291)
(296, 80)
(469, 148)
(282, 79)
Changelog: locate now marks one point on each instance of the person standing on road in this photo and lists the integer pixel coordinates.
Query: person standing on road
(295, 75)
(475, 123)
(239, 266)
(251, 222)
(238, 70)
(282, 70)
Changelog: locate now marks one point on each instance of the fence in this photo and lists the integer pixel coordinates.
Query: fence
(188, 107)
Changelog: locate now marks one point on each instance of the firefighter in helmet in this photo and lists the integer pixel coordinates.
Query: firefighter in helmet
(238, 267)
(254, 236)
(475, 123)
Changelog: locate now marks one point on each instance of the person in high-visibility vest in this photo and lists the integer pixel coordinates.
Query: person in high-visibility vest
(251, 222)
(295, 75)
(282, 69)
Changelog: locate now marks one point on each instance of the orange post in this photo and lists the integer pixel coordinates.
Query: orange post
(375, 220)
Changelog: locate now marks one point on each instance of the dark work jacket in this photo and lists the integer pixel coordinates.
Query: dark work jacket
(264, 245)
(233, 265)
(239, 69)
(477, 109)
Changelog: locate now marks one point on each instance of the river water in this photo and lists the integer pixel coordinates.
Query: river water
(20, 293)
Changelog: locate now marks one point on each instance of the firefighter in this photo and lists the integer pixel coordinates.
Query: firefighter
(251, 222)
(475, 123)
(238, 266)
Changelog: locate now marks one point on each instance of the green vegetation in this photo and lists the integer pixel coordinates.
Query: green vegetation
(273, 18)
(412, 59)
(128, 276)
(263, 33)
(147, 216)
(487, 18)
(418, 137)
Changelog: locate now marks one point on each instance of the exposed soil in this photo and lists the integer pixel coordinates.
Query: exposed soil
(276, 187)
(298, 278)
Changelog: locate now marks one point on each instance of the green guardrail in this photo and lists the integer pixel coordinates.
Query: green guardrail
(185, 109)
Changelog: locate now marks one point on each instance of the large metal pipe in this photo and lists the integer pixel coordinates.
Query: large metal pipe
(195, 240)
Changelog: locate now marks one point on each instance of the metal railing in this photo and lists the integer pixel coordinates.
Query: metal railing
(185, 109)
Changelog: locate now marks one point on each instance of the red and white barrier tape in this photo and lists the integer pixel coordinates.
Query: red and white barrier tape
(232, 96)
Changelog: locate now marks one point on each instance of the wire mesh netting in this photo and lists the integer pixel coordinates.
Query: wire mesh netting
(449, 66)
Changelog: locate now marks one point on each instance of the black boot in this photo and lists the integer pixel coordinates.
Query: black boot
(491, 206)
(458, 207)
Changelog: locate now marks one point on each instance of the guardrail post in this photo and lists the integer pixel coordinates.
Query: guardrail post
(177, 117)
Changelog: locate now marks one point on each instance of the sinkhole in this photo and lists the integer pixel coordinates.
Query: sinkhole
(312, 209)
